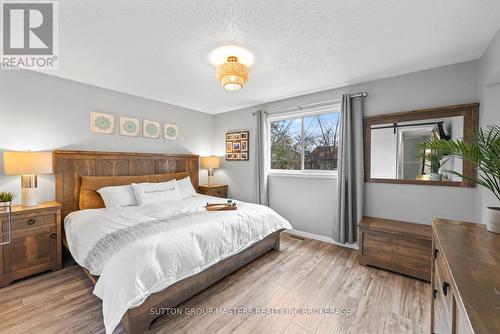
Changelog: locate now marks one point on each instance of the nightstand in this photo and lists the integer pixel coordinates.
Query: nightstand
(36, 241)
(217, 190)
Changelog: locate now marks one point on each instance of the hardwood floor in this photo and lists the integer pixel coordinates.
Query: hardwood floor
(303, 274)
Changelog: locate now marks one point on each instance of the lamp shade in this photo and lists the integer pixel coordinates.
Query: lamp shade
(27, 163)
(210, 162)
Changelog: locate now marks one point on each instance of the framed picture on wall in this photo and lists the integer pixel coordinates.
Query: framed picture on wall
(237, 147)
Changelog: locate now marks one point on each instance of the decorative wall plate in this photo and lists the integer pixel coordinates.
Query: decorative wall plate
(170, 131)
(151, 129)
(102, 123)
(130, 126)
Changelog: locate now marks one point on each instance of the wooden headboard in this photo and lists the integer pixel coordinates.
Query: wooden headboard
(70, 166)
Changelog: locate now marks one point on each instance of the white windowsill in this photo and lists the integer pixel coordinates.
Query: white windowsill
(319, 175)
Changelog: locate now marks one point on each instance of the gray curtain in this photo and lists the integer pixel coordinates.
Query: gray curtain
(261, 141)
(350, 179)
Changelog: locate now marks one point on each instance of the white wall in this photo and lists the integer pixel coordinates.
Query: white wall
(41, 112)
(489, 90)
(308, 203)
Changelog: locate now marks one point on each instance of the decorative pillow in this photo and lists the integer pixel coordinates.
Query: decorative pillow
(186, 187)
(156, 192)
(116, 196)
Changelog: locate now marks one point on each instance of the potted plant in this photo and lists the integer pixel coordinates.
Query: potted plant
(483, 150)
(6, 198)
(434, 160)
(6, 202)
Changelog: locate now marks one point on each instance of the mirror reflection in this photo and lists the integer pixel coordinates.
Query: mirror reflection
(396, 152)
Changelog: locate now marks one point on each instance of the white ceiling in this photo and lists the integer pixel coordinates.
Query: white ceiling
(160, 49)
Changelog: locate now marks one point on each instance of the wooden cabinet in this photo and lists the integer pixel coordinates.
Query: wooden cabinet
(397, 246)
(36, 241)
(216, 190)
(465, 278)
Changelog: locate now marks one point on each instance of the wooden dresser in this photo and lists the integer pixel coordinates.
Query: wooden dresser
(36, 241)
(402, 247)
(217, 190)
(465, 278)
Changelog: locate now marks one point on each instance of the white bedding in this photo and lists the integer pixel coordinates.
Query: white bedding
(190, 240)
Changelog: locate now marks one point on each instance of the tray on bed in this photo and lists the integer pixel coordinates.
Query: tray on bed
(220, 207)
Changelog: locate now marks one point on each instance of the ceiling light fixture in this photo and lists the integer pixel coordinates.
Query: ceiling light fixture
(232, 74)
(232, 64)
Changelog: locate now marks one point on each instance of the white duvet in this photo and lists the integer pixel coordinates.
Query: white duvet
(190, 240)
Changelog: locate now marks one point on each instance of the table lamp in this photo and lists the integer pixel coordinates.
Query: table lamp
(28, 165)
(210, 163)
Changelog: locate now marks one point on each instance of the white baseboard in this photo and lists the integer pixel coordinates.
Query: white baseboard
(319, 238)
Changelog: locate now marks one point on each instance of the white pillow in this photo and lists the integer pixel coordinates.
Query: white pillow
(156, 192)
(116, 196)
(186, 187)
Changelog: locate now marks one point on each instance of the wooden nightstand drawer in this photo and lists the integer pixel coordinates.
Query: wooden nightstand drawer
(213, 190)
(217, 192)
(35, 245)
(33, 250)
(31, 221)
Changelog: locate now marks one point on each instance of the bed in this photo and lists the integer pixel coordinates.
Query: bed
(185, 248)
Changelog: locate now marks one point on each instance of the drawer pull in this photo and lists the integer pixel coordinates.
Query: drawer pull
(31, 221)
(436, 252)
(446, 285)
(53, 236)
(434, 293)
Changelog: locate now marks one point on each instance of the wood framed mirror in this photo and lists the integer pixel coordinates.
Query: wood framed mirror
(391, 146)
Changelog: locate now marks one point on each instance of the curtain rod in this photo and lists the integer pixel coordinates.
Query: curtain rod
(353, 96)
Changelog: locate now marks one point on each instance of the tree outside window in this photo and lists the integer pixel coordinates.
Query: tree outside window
(305, 143)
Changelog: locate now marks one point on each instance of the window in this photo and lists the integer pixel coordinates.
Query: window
(286, 144)
(307, 142)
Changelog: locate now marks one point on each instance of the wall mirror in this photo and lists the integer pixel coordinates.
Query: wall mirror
(392, 153)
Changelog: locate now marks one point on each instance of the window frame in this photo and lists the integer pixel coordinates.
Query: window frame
(313, 173)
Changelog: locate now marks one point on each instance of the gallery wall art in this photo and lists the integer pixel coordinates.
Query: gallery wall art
(132, 127)
(237, 147)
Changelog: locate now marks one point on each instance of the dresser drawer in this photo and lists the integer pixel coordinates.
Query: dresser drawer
(443, 301)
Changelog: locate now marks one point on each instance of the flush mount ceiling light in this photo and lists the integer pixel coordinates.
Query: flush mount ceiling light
(232, 66)
(232, 75)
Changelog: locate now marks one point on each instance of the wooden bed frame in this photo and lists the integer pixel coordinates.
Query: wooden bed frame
(71, 166)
